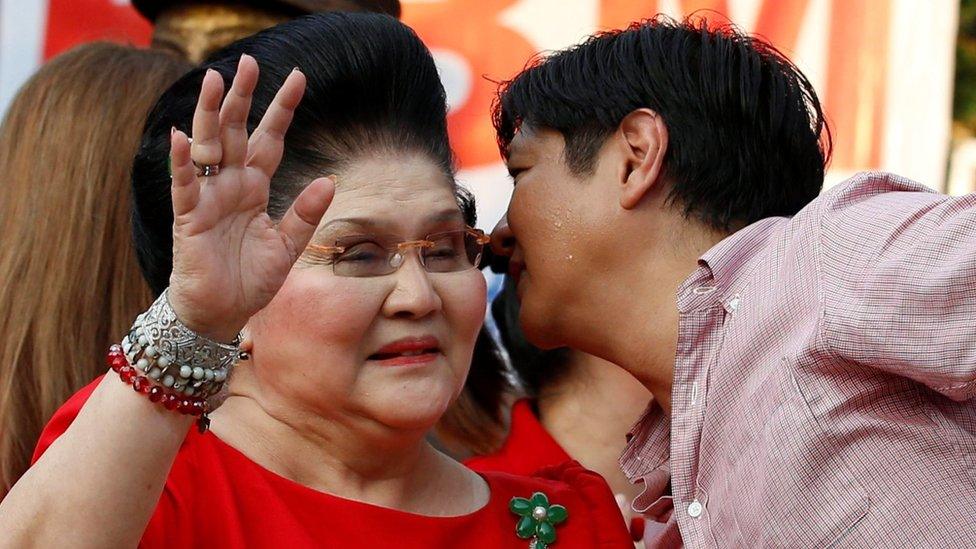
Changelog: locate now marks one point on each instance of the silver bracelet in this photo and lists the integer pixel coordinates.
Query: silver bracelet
(178, 358)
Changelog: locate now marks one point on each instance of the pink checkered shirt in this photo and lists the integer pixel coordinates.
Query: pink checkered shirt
(824, 380)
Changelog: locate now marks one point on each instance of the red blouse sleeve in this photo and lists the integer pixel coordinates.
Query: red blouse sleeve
(596, 493)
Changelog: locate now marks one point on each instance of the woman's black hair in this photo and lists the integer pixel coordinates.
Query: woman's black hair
(372, 88)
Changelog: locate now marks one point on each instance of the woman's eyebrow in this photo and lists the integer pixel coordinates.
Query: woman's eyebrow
(371, 225)
(362, 222)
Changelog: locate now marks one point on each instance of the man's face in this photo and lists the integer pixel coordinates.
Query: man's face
(555, 232)
(196, 31)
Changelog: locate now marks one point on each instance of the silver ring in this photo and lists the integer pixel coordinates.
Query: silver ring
(204, 170)
(207, 170)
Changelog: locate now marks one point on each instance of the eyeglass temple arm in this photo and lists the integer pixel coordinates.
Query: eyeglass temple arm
(479, 234)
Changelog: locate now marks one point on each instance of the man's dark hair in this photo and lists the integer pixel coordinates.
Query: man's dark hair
(372, 88)
(747, 136)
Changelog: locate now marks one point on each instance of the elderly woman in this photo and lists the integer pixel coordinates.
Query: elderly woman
(354, 322)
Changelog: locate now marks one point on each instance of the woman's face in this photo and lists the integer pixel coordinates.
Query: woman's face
(346, 347)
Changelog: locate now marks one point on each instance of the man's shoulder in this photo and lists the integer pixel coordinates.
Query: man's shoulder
(862, 211)
(868, 184)
(868, 191)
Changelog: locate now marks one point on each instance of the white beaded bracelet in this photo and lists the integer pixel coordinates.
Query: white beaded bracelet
(177, 358)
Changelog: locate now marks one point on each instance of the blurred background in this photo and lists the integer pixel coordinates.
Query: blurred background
(897, 77)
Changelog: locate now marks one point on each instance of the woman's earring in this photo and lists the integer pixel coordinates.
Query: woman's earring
(243, 355)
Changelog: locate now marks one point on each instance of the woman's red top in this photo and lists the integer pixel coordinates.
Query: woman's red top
(216, 497)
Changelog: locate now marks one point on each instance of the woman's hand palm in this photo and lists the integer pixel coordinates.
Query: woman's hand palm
(229, 257)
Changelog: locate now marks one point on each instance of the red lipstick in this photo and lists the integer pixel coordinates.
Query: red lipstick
(408, 351)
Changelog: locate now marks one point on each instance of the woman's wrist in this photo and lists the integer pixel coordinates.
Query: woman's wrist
(220, 330)
(170, 364)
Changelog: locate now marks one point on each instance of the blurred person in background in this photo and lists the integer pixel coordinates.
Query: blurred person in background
(194, 29)
(70, 278)
(569, 406)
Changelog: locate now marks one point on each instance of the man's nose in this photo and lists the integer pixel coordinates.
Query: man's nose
(502, 239)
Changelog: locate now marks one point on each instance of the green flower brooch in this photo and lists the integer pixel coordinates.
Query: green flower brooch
(539, 519)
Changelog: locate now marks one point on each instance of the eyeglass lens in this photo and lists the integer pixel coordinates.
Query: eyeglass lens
(446, 252)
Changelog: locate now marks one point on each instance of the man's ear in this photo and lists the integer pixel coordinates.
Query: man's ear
(643, 137)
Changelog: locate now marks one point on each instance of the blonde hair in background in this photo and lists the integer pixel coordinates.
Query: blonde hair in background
(69, 281)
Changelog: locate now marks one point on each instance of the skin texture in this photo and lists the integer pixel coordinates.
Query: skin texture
(599, 256)
(289, 400)
(552, 234)
(310, 406)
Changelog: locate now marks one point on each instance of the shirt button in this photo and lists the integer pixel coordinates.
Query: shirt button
(695, 509)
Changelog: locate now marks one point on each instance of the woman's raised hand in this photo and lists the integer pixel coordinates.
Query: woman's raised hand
(229, 257)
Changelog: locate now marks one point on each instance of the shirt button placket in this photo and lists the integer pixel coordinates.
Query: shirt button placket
(695, 509)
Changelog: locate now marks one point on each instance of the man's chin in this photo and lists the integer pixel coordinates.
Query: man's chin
(538, 328)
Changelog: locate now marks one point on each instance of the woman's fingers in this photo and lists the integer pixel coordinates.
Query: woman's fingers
(206, 148)
(299, 223)
(267, 143)
(186, 187)
(233, 113)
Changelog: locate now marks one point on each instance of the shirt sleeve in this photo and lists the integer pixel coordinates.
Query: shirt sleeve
(897, 268)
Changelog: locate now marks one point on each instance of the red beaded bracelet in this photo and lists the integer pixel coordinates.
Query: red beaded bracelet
(191, 406)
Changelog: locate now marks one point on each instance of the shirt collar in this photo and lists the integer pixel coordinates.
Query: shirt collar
(724, 264)
(649, 440)
(726, 259)
(648, 444)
